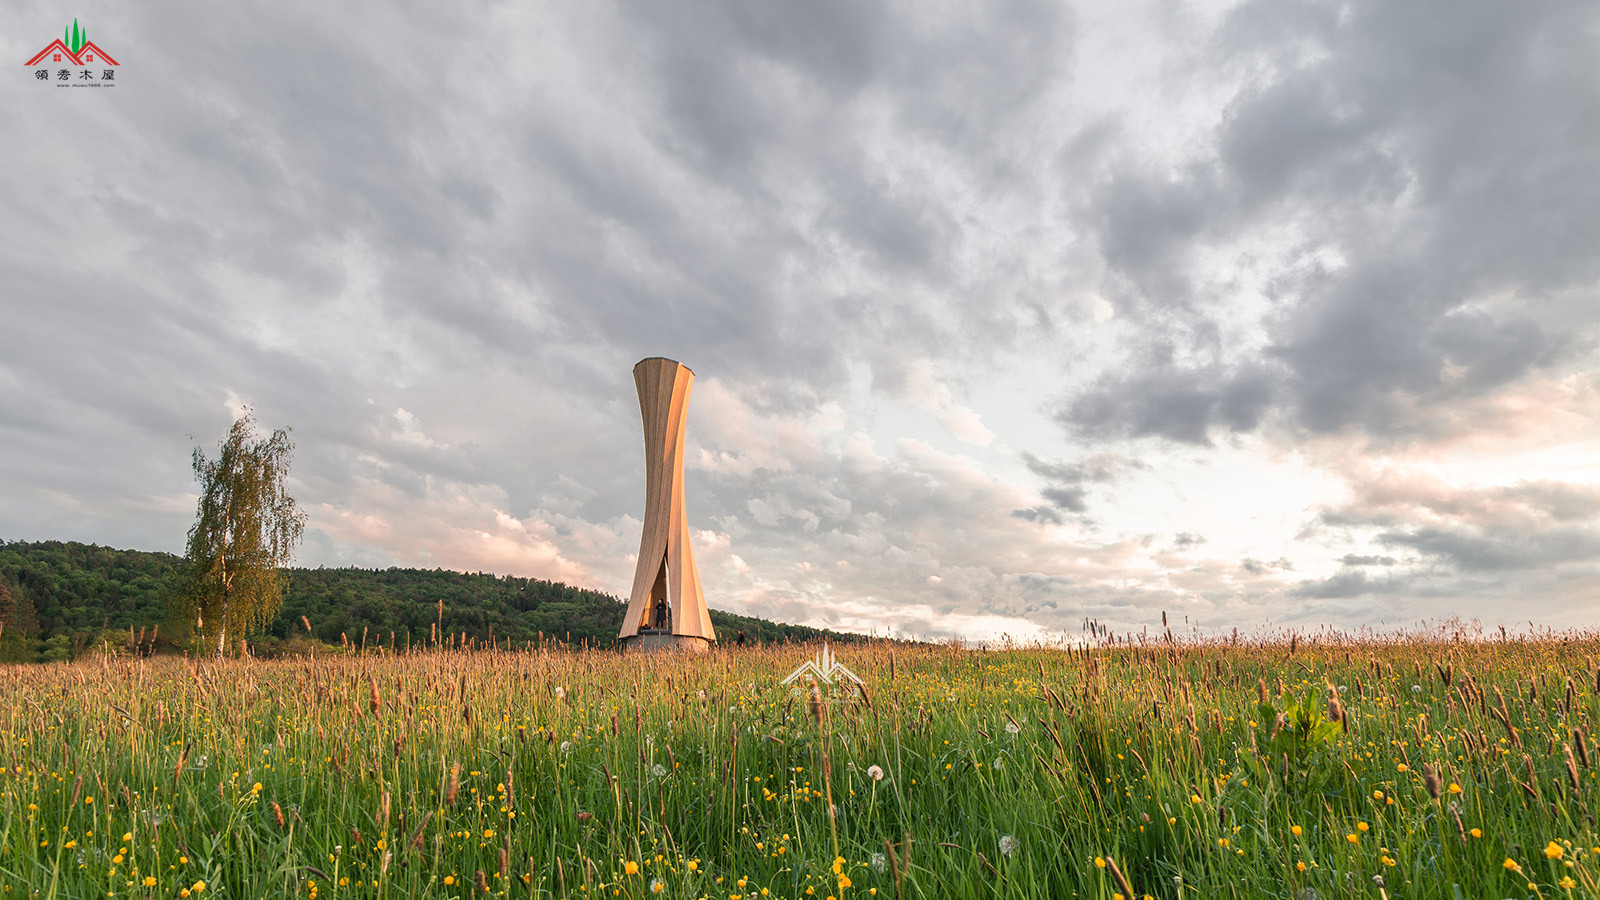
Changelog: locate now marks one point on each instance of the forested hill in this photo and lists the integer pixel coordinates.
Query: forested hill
(58, 599)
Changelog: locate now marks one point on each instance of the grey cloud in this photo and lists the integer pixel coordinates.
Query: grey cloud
(1443, 153)
(1257, 567)
(1559, 500)
(903, 231)
(1390, 501)
(1070, 499)
(1181, 405)
(1376, 345)
(1531, 538)
(1351, 559)
(1503, 551)
(1040, 514)
(1338, 586)
(1146, 229)
(1100, 467)
(1068, 491)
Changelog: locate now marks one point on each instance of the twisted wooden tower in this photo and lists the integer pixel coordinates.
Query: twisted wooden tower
(667, 609)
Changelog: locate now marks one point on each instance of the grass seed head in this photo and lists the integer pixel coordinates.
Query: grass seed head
(1121, 879)
(1430, 781)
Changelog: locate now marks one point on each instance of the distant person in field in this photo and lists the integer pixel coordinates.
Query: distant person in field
(661, 614)
(740, 639)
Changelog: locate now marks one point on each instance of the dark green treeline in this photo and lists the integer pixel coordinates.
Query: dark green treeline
(60, 599)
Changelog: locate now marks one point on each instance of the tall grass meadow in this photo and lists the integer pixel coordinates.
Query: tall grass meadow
(1427, 765)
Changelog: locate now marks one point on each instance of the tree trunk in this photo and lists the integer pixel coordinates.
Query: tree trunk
(222, 620)
(227, 581)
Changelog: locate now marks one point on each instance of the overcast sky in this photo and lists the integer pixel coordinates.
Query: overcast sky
(1004, 314)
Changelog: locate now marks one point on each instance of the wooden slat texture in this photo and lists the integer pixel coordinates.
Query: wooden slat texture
(664, 387)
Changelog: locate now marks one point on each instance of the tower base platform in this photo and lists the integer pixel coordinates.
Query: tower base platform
(651, 641)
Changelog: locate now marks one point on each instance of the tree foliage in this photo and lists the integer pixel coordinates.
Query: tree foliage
(82, 596)
(244, 534)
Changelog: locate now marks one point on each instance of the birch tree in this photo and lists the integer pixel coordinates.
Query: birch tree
(244, 534)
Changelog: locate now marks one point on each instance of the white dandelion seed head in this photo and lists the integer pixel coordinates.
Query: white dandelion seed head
(876, 772)
(1416, 689)
(999, 763)
(1007, 844)
(565, 746)
(879, 862)
(1012, 728)
(658, 770)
